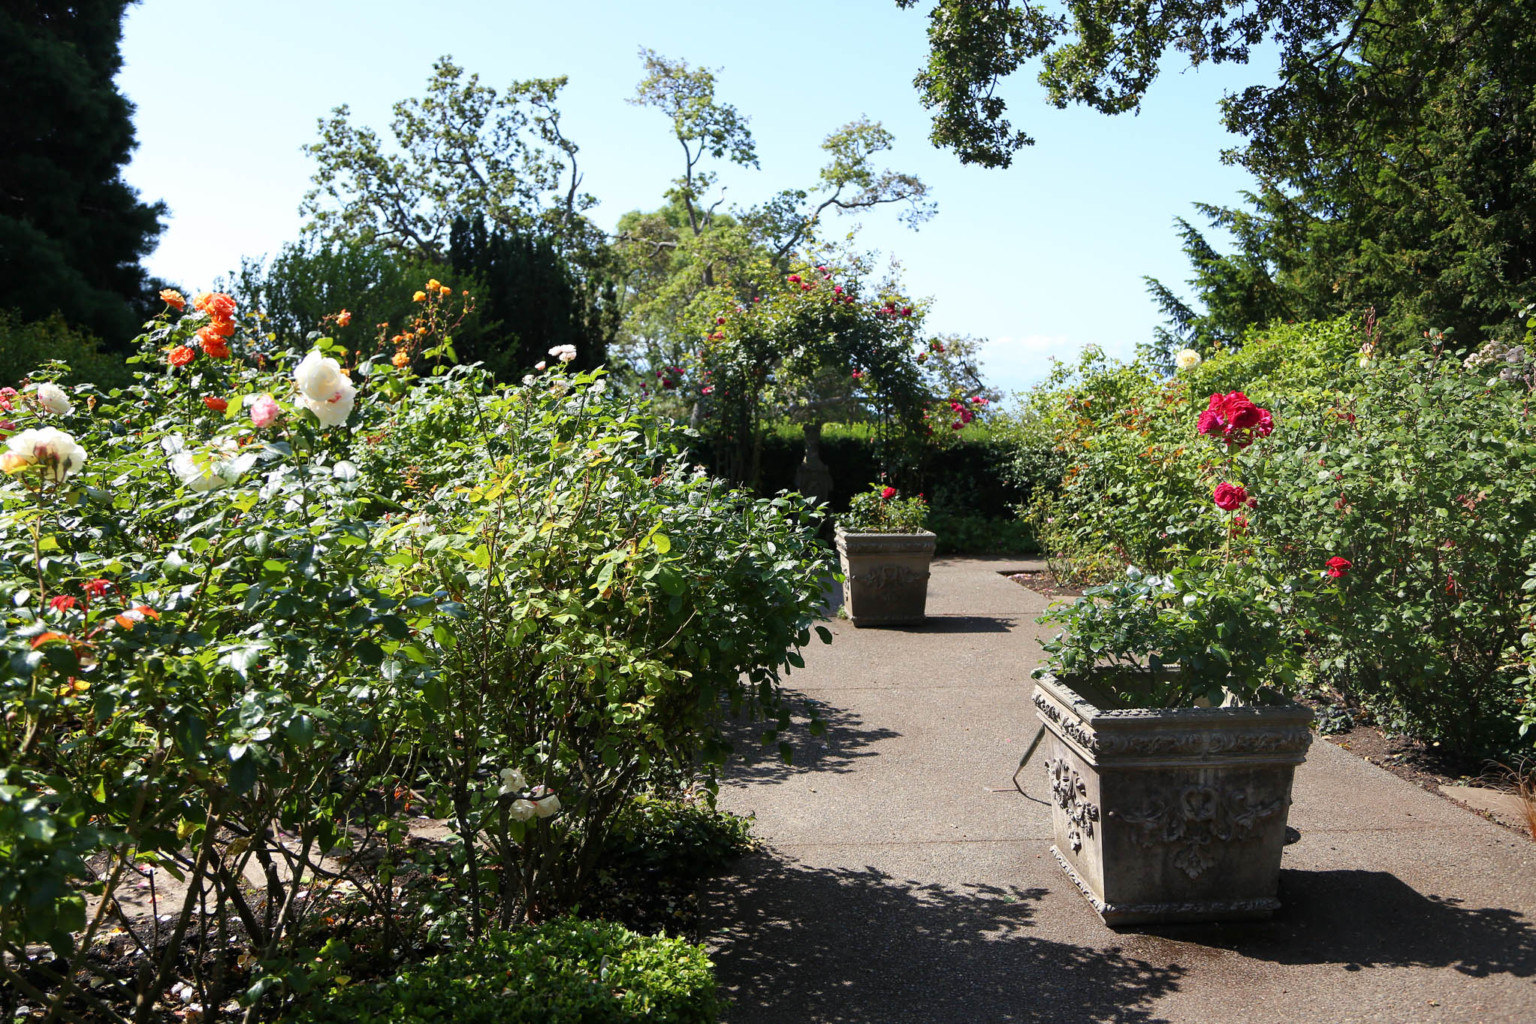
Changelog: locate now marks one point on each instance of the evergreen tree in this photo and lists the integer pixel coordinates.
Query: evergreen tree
(72, 232)
(529, 300)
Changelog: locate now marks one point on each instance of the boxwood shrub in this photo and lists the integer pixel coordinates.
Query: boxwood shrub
(561, 972)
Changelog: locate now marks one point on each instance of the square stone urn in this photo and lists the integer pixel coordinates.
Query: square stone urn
(885, 577)
(1170, 815)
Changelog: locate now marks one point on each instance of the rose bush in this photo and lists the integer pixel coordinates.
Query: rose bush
(1382, 512)
(246, 641)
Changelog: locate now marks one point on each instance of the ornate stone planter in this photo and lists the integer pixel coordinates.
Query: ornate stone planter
(886, 576)
(1169, 815)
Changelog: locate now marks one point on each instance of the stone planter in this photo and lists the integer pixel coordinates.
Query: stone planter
(1169, 815)
(886, 576)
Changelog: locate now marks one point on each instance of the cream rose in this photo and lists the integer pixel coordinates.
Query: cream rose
(45, 446)
(334, 411)
(319, 377)
(209, 471)
(1187, 359)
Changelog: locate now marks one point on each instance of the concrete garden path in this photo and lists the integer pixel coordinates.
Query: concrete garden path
(906, 881)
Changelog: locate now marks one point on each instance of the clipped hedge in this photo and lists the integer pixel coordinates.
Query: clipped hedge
(565, 970)
(967, 477)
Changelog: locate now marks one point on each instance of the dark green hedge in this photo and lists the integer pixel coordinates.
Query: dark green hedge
(561, 972)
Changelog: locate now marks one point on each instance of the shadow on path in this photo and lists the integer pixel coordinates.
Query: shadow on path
(1362, 919)
(799, 944)
(846, 740)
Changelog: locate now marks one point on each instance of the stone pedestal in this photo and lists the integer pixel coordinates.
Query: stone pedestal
(1169, 815)
(886, 577)
(812, 477)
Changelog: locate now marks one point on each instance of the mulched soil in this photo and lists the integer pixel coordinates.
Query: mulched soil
(1043, 581)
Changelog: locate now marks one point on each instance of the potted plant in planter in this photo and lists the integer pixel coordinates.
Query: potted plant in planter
(1170, 746)
(885, 555)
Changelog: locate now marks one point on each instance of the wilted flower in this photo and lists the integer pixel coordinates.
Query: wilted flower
(208, 471)
(45, 446)
(344, 318)
(1187, 359)
(54, 399)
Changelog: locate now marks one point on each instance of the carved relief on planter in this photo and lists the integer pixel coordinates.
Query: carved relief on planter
(1070, 793)
(883, 576)
(1198, 821)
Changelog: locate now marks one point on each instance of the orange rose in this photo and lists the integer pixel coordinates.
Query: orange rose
(343, 318)
(216, 348)
(173, 298)
(419, 297)
(217, 329)
(181, 356)
(402, 359)
(215, 404)
(215, 304)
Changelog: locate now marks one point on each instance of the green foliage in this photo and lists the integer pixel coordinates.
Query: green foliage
(881, 510)
(72, 232)
(690, 248)
(686, 838)
(1414, 471)
(307, 283)
(1208, 623)
(235, 647)
(1105, 55)
(978, 535)
(530, 299)
(564, 971)
(24, 344)
(1395, 173)
(464, 149)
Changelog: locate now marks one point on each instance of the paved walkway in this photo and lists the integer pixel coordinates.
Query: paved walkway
(906, 880)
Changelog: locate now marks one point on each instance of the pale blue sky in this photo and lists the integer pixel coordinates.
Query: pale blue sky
(1041, 259)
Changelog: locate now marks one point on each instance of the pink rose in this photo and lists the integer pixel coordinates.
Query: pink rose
(264, 411)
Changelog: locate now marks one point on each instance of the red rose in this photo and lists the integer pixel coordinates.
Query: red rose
(1229, 497)
(1210, 422)
(215, 404)
(1266, 424)
(888, 493)
(1239, 412)
(1338, 567)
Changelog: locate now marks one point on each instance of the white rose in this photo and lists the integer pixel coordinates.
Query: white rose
(334, 411)
(564, 353)
(522, 810)
(1187, 359)
(49, 446)
(319, 378)
(53, 399)
(599, 386)
(208, 471)
(512, 781)
(540, 365)
(545, 803)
